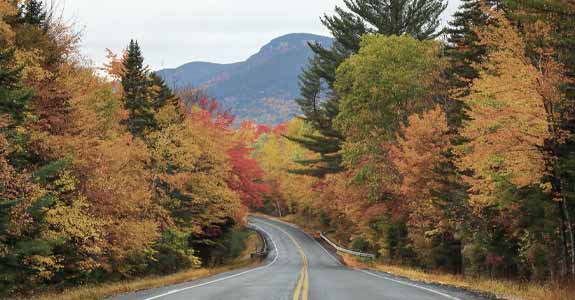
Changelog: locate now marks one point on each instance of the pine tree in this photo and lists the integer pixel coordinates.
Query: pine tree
(13, 96)
(137, 98)
(418, 18)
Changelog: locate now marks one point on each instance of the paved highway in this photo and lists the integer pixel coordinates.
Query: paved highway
(299, 268)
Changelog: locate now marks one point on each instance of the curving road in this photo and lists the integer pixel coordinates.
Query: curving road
(299, 268)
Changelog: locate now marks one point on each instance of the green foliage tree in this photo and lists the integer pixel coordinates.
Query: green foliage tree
(319, 104)
(33, 12)
(14, 97)
(137, 99)
(388, 80)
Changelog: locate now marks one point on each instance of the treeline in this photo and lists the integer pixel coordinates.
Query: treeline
(454, 154)
(106, 177)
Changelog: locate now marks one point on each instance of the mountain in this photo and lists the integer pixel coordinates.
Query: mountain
(261, 88)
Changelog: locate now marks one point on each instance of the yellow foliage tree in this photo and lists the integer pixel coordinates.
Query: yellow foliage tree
(508, 123)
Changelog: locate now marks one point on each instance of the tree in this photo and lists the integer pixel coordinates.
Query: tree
(508, 125)
(465, 52)
(14, 97)
(8, 10)
(422, 157)
(548, 28)
(247, 177)
(33, 12)
(388, 80)
(277, 156)
(504, 157)
(319, 104)
(137, 98)
(162, 94)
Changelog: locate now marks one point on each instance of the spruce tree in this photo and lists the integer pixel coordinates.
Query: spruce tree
(418, 18)
(33, 12)
(464, 51)
(463, 44)
(13, 96)
(137, 98)
(163, 95)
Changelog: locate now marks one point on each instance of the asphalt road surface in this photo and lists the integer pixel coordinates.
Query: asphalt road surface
(299, 268)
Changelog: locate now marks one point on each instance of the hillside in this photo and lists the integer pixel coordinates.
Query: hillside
(262, 87)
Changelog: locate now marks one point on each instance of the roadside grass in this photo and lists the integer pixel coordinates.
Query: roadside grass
(504, 289)
(105, 290)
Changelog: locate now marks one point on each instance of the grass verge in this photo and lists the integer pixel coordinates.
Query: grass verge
(505, 289)
(105, 290)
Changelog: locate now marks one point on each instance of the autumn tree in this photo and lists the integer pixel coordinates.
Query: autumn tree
(277, 156)
(507, 132)
(423, 159)
(247, 177)
(8, 10)
(389, 79)
(548, 28)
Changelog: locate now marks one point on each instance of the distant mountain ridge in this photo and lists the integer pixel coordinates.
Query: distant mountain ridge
(261, 88)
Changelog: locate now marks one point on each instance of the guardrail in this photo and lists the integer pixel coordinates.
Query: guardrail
(264, 251)
(338, 248)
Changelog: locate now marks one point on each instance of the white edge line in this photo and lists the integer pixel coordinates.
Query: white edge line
(224, 278)
(323, 248)
(372, 274)
(310, 237)
(410, 284)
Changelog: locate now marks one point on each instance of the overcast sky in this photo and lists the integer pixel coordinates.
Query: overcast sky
(174, 32)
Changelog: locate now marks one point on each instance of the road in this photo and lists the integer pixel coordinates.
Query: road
(299, 268)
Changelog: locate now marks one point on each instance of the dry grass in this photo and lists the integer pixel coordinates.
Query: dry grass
(103, 291)
(506, 289)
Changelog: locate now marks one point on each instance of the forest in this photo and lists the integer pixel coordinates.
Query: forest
(446, 149)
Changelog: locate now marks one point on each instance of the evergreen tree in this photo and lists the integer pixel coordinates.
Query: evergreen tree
(13, 96)
(464, 52)
(33, 12)
(463, 48)
(418, 18)
(137, 98)
(163, 95)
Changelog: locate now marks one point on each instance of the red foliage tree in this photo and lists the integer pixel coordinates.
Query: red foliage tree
(247, 177)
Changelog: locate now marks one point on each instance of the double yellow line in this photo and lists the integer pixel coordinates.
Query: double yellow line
(302, 287)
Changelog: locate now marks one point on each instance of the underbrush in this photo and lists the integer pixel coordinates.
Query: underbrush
(239, 259)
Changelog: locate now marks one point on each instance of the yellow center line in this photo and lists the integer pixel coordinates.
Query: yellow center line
(302, 287)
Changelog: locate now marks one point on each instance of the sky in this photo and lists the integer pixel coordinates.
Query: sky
(175, 32)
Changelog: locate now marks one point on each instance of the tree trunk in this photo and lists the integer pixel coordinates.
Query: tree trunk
(564, 255)
(569, 227)
(279, 209)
